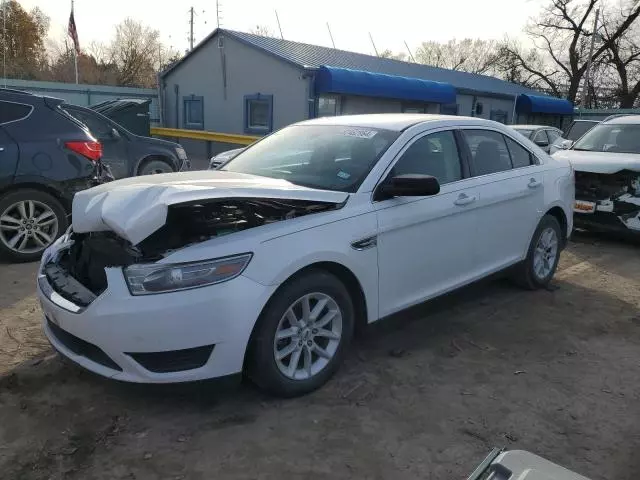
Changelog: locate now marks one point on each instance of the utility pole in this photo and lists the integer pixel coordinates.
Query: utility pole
(218, 17)
(587, 72)
(331, 36)
(279, 27)
(191, 13)
(374, 45)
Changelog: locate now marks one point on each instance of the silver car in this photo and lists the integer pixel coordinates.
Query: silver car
(547, 138)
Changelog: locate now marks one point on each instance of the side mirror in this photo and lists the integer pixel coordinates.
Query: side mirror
(566, 144)
(410, 185)
(542, 143)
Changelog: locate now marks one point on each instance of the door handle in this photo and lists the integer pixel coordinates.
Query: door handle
(463, 199)
(1, 149)
(533, 183)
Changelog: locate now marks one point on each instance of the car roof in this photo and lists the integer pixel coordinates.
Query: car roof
(624, 120)
(532, 127)
(397, 121)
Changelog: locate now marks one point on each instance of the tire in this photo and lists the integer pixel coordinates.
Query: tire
(21, 212)
(314, 370)
(527, 274)
(153, 167)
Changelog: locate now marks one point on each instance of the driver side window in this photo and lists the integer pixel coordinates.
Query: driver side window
(435, 154)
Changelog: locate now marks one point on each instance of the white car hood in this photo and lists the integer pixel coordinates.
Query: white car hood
(136, 207)
(600, 162)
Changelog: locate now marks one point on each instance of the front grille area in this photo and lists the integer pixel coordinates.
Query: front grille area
(174, 360)
(82, 347)
(68, 287)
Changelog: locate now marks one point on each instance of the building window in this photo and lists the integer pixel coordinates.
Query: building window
(193, 117)
(413, 108)
(258, 113)
(449, 109)
(499, 116)
(327, 106)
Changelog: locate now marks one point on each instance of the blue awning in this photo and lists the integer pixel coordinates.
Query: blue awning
(540, 104)
(369, 84)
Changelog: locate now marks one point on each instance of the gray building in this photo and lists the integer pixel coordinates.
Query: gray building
(235, 82)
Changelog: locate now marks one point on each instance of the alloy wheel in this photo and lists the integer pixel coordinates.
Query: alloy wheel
(308, 336)
(546, 253)
(28, 226)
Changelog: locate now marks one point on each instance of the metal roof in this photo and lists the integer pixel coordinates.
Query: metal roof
(313, 56)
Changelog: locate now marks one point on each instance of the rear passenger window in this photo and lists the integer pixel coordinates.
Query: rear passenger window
(435, 155)
(10, 112)
(520, 156)
(489, 152)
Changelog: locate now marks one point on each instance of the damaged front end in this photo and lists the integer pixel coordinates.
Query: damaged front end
(608, 201)
(78, 273)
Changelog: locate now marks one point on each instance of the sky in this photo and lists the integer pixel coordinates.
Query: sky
(390, 23)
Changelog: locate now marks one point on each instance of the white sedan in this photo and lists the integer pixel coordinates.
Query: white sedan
(268, 266)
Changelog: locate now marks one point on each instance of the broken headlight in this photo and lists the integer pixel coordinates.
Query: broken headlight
(147, 279)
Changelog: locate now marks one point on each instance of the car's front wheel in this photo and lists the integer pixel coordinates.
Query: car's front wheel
(155, 167)
(30, 221)
(543, 255)
(302, 336)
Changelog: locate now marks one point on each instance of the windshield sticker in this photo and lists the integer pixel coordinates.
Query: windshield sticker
(344, 175)
(359, 133)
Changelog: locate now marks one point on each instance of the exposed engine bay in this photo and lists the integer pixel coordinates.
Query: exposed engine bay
(186, 224)
(617, 195)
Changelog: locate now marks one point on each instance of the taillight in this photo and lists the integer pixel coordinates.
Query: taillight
(91, 150)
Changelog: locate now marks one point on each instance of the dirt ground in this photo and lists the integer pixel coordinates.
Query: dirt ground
(425, 395)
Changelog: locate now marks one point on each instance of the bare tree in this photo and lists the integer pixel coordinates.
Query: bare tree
(623, 56)
(263, 31)
(562, 34)
(468, 55)
(134, 50)
(394, 56)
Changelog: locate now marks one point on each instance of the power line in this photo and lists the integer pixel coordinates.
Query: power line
(409, 50)
(331, 36)
(374, 45)
(279, 27)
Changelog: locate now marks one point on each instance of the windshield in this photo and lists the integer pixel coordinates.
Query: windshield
(327, 157)
(578, 129)
(611, 138)
(524, 131)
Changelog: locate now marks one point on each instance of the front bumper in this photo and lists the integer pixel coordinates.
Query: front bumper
(609, 216)
(175, 337)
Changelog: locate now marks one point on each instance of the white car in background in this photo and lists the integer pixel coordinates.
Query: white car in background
(268, 265)
(549, 139)
(607, 164)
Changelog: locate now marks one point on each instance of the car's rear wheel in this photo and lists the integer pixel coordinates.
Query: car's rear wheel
(543, 255)
(30, 221)
(155, 167)
(301, 337)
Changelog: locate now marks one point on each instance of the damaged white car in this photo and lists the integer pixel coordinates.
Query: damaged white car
(607, 164)
(267, 266)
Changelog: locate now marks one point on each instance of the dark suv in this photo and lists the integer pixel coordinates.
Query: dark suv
(46, 156)
(127, 154)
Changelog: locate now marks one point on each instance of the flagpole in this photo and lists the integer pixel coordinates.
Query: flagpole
(75, 51)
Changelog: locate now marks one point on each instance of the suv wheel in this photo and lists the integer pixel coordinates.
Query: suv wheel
(302, 336)
(154, 167)
(30, 221)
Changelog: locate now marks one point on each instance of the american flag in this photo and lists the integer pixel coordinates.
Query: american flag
(73, 32)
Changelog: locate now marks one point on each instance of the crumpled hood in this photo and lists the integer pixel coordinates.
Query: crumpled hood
(136, 207)
(600, 162)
